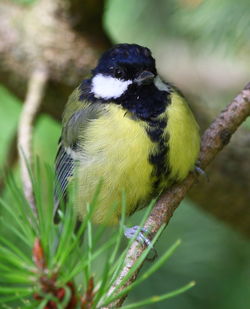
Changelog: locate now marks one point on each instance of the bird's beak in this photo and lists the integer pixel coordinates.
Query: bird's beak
(145, 78)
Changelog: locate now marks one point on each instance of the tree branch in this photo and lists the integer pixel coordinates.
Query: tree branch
(41, 32)
(215, 138)
(35, 93)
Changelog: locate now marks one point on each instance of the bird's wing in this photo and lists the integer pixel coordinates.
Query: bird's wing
(69, 149)
(64, 167)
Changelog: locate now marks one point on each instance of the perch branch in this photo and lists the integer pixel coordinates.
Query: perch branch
(215, 138)
(32, 103)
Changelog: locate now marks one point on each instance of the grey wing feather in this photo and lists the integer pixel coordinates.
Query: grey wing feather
(64, 170)
(65, 164)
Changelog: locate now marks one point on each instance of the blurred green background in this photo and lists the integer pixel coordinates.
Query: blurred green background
(203, 47)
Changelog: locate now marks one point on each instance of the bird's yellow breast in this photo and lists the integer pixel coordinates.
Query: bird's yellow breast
(116, 149)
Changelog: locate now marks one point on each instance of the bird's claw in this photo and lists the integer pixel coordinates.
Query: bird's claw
(141, 238)
(200, 171)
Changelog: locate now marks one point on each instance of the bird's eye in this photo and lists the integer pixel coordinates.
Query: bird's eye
(119, 72)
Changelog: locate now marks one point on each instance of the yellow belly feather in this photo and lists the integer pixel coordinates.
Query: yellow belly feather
(117, 148)
(117, 152)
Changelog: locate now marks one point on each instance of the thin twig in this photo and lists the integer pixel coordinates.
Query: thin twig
(32, 103)
(215, 138)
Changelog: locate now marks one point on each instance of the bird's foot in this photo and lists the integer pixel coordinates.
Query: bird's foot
(200, 171)
(141, 238)
(130, 232)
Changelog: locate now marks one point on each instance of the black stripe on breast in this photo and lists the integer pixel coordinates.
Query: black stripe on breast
(159, 158)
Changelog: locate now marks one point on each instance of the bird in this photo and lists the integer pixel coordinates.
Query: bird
(125, 126)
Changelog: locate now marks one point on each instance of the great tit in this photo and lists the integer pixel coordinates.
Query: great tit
(128, 127)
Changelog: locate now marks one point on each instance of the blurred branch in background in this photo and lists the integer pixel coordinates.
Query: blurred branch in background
(32, 103)
(44, 32)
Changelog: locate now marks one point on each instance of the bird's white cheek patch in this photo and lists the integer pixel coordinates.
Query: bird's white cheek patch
(107, 87)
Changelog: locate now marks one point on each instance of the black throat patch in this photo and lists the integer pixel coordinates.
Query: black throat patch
(144, 102)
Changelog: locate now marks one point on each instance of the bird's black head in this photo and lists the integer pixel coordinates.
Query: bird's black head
(126, 75)
(120, 67)
(126, 62)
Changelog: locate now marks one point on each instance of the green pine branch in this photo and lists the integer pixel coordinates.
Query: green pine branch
(44, 265)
